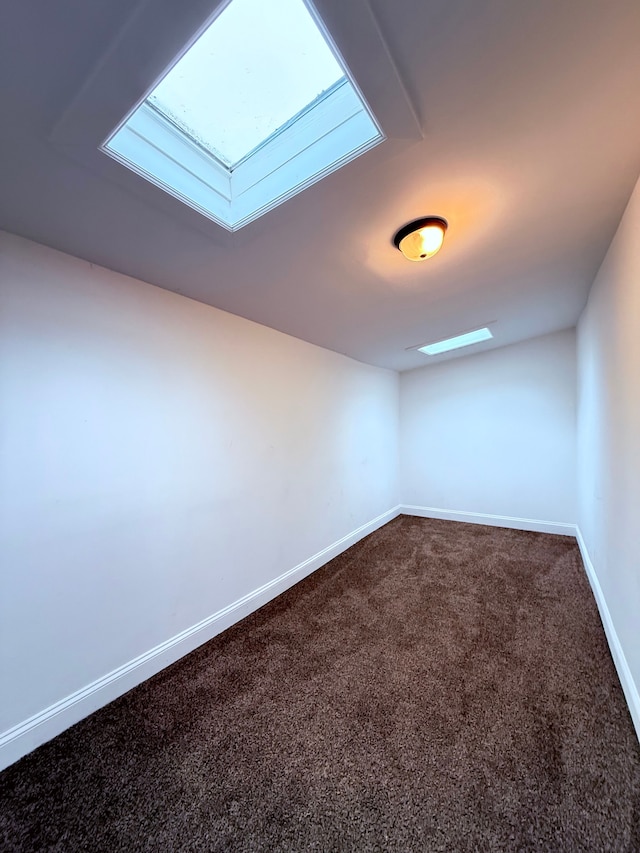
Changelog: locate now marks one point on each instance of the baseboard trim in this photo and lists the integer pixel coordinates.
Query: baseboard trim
(629, 687)
(38, 729)
(538, 525)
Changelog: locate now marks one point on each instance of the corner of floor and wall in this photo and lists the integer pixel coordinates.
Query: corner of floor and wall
(167, 468)
(545, 435)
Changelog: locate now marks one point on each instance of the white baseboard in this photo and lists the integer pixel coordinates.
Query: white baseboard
(38, 729)
(629, 687)
(563, 528)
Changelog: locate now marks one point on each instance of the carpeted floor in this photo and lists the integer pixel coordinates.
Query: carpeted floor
(439, 686)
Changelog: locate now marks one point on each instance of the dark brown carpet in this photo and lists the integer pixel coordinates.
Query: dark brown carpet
(439, 686)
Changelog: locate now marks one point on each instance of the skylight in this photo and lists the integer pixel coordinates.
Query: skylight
(258, 108)
(455, 343)
(278, 72)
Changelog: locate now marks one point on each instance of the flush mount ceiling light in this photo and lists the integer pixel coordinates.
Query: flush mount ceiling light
(422, 238)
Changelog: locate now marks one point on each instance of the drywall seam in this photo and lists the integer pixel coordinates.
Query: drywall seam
(629, 687)
(563, 528)
(41, 727)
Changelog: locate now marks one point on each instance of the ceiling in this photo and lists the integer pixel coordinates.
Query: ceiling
(517, 122)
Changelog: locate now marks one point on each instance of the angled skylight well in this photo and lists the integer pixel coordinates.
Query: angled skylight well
(259, 107)
(458, 341)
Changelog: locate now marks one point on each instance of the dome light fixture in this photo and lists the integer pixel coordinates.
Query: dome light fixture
(422, 238)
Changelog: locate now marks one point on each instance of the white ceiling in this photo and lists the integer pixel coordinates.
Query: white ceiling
(527, 141)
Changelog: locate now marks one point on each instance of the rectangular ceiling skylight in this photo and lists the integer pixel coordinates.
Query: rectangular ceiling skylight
(262, 75)
(457, 342)
(258, 108)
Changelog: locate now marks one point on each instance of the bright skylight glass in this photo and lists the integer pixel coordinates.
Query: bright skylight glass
(256, 110)
(459, 341)
(255, 67)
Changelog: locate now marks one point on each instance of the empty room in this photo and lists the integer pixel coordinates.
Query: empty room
(320, 425)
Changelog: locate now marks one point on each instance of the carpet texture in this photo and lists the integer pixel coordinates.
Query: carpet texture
(439, 686)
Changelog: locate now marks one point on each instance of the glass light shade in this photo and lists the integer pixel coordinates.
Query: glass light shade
(421, 239)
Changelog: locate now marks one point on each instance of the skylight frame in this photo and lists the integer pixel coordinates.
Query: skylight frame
(228, 196)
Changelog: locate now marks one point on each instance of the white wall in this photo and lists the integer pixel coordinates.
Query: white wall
(609, 440)
(160, 459)
(493, 433)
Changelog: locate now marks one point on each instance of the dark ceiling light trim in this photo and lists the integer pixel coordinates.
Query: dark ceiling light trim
(422, 238)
